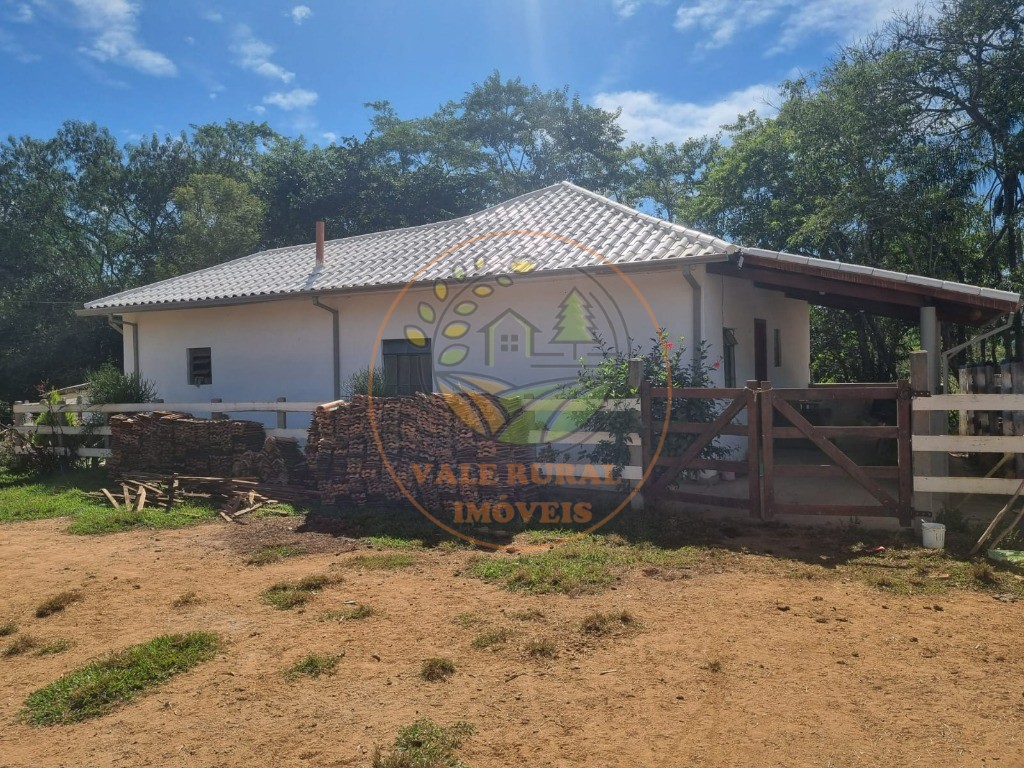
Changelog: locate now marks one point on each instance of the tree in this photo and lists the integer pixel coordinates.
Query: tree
(220, 220)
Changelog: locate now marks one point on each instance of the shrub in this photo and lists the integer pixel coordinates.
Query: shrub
(662, 365)
(359, 383)
(109, 384)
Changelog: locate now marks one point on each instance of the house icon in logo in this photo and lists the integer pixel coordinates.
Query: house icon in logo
(507, 335)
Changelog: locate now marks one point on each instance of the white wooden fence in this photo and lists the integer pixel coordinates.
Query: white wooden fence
(25, 415)
(994, 406)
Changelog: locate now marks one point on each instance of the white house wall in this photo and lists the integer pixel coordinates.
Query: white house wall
(732, 303)
(266, 350)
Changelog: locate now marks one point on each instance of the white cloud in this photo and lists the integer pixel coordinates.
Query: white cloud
(214, 16)
(297, 98)
(116, 25)
(23, 13)
(10, 45)
(718, 22)
(259, 109)
(329, 136)
(646, 115)
(190, 40)
(300, 13)
(254, 54)
(626, 8)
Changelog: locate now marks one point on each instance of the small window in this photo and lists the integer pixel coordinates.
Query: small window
(729, 355)
(777, 342)
(407, 366)
(509, 342)
(200, 366)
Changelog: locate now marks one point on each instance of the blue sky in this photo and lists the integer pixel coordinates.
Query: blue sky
(676, 68)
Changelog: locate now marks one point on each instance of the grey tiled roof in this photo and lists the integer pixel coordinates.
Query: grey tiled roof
(559, 227)
(564, 213)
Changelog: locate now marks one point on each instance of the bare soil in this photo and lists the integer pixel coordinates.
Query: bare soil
(734, 665)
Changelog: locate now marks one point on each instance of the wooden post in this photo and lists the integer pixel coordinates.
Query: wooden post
(904, 449)
(753, 396)
(282, 416)
(921, 424)
(637, 383)
(216, 414)
(767, 397)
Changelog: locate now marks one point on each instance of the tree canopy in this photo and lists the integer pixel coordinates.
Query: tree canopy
(904, 152)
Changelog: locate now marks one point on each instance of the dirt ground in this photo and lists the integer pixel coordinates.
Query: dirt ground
(731, 667)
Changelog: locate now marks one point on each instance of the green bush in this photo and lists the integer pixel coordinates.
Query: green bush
(109, 384)
(359, 383)
(663, 366)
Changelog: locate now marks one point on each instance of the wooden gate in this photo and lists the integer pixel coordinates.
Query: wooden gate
(656, 433)
(776, 403)
(773, 415)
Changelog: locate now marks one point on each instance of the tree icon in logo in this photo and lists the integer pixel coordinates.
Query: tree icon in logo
(575, 321)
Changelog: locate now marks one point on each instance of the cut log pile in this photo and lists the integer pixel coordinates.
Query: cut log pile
(165, 442)
(232, 496)
(279, 462)
(415, 432)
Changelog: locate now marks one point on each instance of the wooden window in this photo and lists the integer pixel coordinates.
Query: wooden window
(729, 356)
(200, 366)
(777, 344)
(407, 366)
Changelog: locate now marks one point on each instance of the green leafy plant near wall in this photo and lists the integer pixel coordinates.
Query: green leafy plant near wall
(663, 365)
(109, 384)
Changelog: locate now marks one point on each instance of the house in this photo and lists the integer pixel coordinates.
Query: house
(505, 300)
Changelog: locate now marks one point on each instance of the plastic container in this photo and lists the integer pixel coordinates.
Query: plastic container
(933, 535)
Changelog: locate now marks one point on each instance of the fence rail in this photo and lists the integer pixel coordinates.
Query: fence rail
(990, 405)
(27, 411)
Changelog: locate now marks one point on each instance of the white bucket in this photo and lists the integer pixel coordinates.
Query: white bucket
(933, 535)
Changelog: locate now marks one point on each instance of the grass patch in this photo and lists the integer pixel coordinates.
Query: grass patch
(469, 620)
(313, 665)
(7, 629)
(393, 542)
(714, 665)
(357, 611)
(54, 647)
(608, 623)
(584, 565)
(541, 648)
(112, 682)
(492, 638)
(57, 603)
(29, 497)
(286, 595)
(90, 522)
(22, 644)
(384, 561)
(186, 600)
(425, 745)
(437, 669)
(274, 553)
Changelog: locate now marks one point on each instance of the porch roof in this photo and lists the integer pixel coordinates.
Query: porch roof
(856, 287)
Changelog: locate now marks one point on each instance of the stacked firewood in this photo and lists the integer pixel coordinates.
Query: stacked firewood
(415, 438)
(232, 496)
(167, 442)
(280, 461)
